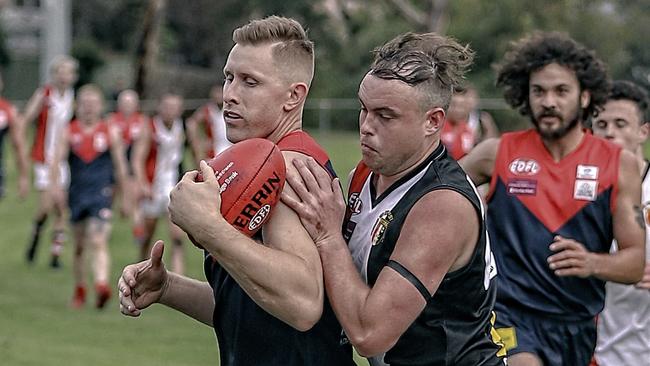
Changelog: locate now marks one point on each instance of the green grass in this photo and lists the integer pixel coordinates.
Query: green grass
(37, 327)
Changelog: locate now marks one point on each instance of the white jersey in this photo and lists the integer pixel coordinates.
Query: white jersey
(58, 117)
(169, 155)
(624, 324)
(218, 126)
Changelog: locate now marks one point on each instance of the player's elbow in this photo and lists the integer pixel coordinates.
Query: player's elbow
(303, 321)
(308, 313)
(370, 345)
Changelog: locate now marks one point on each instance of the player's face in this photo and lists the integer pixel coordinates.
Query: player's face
(459, 107)
(65, 75)
(621, 122)
(89, 106)
(556, 101)
(253, 93)
(170, 108)
(391, 125)
(127, 103)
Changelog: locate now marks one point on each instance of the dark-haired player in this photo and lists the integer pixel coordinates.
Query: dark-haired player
(624, 324)
(558, 197)
(412, 277)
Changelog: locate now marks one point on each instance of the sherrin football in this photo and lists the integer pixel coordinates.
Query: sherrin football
(252, 174)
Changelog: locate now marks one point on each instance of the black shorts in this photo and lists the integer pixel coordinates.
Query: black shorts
(99, 208)
(555, 342)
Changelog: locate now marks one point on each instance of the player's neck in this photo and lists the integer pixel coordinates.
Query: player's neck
(563, 146)
(383, 182)
(640, 159)
(88, 124)
(289, 124)
(60, 89)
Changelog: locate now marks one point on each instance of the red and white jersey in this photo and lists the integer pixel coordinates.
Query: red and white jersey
(459, 138)
(165, 154)
(7, 116)
(624, 324)
(56, 112)
(215, 129)
(130, 126)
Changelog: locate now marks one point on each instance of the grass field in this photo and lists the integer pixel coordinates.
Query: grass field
(37, 327)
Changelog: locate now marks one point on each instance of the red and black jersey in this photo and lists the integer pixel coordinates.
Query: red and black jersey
(459, 138)
(533, 198)
(248, 335)
(131, 126)
(91, 167)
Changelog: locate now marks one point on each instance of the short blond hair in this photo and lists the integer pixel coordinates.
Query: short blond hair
(294, 52)
(60, 60)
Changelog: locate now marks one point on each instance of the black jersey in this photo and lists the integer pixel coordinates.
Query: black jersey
(248, 335)
(454, 327)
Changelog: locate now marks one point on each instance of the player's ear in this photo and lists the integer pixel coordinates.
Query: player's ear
(434, 120)
(644, 132)
(585, 98)
(297, 95)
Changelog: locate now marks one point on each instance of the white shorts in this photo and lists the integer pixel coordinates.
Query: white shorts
(158, 204)
(42, 176)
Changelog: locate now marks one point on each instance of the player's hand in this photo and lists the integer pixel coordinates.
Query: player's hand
(571, 258)
(320, 203)
(145, 191)
(195, 205)
(144, 283)
(644, 284)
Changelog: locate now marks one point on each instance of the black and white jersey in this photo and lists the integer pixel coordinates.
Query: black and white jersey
(455, 327)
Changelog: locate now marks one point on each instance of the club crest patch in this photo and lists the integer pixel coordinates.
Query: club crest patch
(379, 229)
(587, 172)
(585, 190)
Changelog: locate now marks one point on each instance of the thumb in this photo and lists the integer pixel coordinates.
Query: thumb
(207, 172)
(157, 253)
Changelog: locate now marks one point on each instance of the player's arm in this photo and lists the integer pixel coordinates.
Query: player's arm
(61, 151)
(374, 318)
(33, 106)
(118, 155)
(141, 148)
(626, 265)
(283, 276)
(479, 163)
(19, 141)
(148, 282)
(490, 129)
(193, 135)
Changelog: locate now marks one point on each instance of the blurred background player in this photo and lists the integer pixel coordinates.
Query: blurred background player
(93, 149)
(558, 197)
(624, 325)
(10, 124)
(130, 122)
(53, 104)
(466, 125)
(212, 140)
(157, 157)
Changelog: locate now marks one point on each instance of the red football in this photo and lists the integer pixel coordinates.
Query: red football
(252, 175)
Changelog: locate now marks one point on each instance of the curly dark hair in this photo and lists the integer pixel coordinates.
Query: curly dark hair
(433, 63)
(531, 53)
(627, 90)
